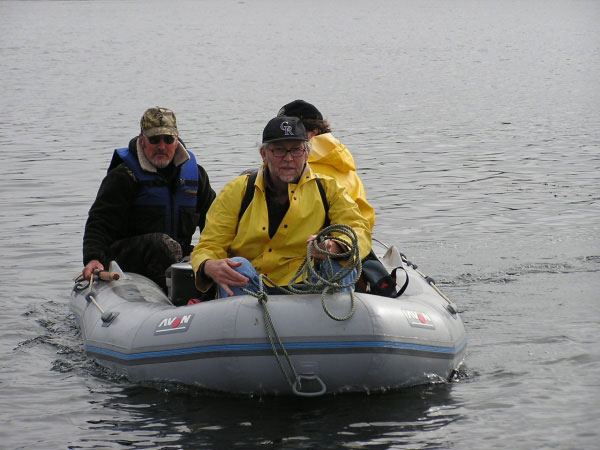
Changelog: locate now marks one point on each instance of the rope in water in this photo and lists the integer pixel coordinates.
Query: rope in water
(308, 280)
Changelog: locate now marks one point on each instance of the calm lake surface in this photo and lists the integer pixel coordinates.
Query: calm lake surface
(476, 129)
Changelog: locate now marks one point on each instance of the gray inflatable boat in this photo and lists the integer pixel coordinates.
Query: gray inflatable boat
(288, 345)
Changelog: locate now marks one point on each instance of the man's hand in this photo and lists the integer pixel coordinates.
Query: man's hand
(221, 271)
(89, 268)
(331, 246)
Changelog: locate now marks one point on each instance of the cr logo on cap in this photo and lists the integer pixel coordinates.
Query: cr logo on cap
(286, 128)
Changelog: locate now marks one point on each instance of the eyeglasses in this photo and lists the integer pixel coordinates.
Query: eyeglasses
(167, 139)
(280, 152)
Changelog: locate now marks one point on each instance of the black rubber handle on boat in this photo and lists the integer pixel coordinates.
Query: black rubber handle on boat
(403, 288)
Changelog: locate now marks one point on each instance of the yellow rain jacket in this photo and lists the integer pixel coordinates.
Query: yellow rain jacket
(280, 257)
(328, 156)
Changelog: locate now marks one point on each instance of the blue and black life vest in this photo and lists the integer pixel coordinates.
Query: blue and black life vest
(178, 207)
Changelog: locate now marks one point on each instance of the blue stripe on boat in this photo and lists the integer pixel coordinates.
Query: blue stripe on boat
(240, 349)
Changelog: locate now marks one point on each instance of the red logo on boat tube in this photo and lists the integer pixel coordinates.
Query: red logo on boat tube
(418, 319)
(175, 324)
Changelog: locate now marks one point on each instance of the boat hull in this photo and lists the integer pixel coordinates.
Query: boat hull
(223, 345)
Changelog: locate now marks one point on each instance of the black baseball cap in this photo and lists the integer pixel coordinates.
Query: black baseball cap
(284, 128)
(302, 109)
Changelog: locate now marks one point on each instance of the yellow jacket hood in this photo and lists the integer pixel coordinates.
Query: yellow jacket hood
(328, 156)
(327, 150)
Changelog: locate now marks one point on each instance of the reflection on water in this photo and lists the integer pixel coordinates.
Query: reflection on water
(410, 417)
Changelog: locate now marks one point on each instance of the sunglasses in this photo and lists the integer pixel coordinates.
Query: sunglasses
(167, 139)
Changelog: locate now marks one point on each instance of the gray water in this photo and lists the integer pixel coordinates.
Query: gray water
(475, 125)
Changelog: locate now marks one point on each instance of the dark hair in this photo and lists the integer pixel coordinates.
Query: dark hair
(322, 125)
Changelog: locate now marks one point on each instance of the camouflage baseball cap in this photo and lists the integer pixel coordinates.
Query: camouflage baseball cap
(157, 121)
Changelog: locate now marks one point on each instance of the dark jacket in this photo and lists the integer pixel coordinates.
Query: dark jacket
(114, 214)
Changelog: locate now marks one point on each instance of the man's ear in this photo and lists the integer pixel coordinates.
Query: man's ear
(262, 153)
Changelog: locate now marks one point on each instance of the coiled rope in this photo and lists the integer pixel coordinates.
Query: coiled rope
(308, 280)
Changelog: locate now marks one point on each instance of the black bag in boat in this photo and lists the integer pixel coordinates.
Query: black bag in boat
(376, 280)
(181, 285)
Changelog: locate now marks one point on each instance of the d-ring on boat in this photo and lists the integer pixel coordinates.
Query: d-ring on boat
(130, 326)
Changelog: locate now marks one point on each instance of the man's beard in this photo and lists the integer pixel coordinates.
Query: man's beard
(160, 162)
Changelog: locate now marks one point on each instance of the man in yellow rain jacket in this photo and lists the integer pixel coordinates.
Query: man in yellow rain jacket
(328, 156)
(286, 212)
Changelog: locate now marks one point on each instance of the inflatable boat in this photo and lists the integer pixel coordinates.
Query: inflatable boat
(307, 345)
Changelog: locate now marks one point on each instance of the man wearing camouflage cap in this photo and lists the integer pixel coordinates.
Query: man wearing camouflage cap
(150, 203)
